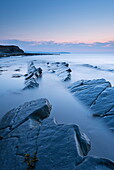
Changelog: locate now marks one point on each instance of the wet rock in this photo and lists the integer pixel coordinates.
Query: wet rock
(36, 109)
(18, 69)
(16, 75)
(109, 120)
(104, 105)
(94, 163)
(32, 75)
(37, 72)
(1, 70)
(98, 95)
(28, 76)
(88, 91)
(61, 69)
(34, 141)
(30, 83)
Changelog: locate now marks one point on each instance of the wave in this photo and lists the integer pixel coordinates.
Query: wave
(97, 67)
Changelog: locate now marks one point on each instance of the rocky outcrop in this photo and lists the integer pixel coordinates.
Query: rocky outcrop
(32, 76)
(98, 95)
(31, 140)
(61, 69)
(13, 50)
(10, 50)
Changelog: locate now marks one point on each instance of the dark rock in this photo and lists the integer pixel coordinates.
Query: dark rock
(69, 70)
(32, 76)
(65, 64)
(104, 104)
(34, 141)
(10, 49)
(37, 72)
(61, 69)
(109, 120)
(94, 163)
(99, 96)
(28, 76)
(2, 70)
(30, 83)
(17, 75)
(36, 109)
(18, 69)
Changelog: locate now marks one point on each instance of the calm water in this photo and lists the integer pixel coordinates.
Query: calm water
(66, 109)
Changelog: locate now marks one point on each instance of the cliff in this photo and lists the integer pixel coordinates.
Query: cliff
(10, 50)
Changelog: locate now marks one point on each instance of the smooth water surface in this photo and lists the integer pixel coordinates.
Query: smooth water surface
(65, 108)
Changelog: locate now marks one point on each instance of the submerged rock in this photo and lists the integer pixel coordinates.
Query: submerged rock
(61, 69)
(18, 69)
(98, 95)
(31, 140)
(16, 75)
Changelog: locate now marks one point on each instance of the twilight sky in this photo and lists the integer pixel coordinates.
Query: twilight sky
(71, 21)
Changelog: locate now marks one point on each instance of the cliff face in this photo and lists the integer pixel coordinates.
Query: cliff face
(13, 50)
(10, 49)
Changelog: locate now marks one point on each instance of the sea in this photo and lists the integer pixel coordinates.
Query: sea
(65, 108)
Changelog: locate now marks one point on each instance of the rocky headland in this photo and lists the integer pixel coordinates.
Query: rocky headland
(12, 50)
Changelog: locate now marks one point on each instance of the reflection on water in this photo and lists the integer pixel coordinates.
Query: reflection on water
(65, 108)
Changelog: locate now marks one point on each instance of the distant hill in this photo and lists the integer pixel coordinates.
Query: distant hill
(10, 49)
(13, 50)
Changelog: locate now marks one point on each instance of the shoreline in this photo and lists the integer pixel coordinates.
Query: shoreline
(26, 54)
(12, 50)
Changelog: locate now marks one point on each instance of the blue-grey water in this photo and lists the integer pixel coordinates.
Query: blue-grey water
(66, 109)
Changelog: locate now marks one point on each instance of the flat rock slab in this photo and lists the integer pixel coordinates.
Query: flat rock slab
(98, 95)
(34, 141)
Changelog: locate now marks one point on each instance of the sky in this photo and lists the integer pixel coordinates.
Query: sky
(53, 23)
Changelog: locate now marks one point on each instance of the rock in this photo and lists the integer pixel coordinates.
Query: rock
(28, 76)
(32, 75)
(88, 91)
(109, 120)
(61, 69)
(37, 142)
(2, 70)
(39, 70)
(32, 70)
(34, 141)
(99, 96)
(104, 105)
(36, 109)
(18, 69)
(94, 163)
(10, 49)
(16, 75)
(30, 83)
